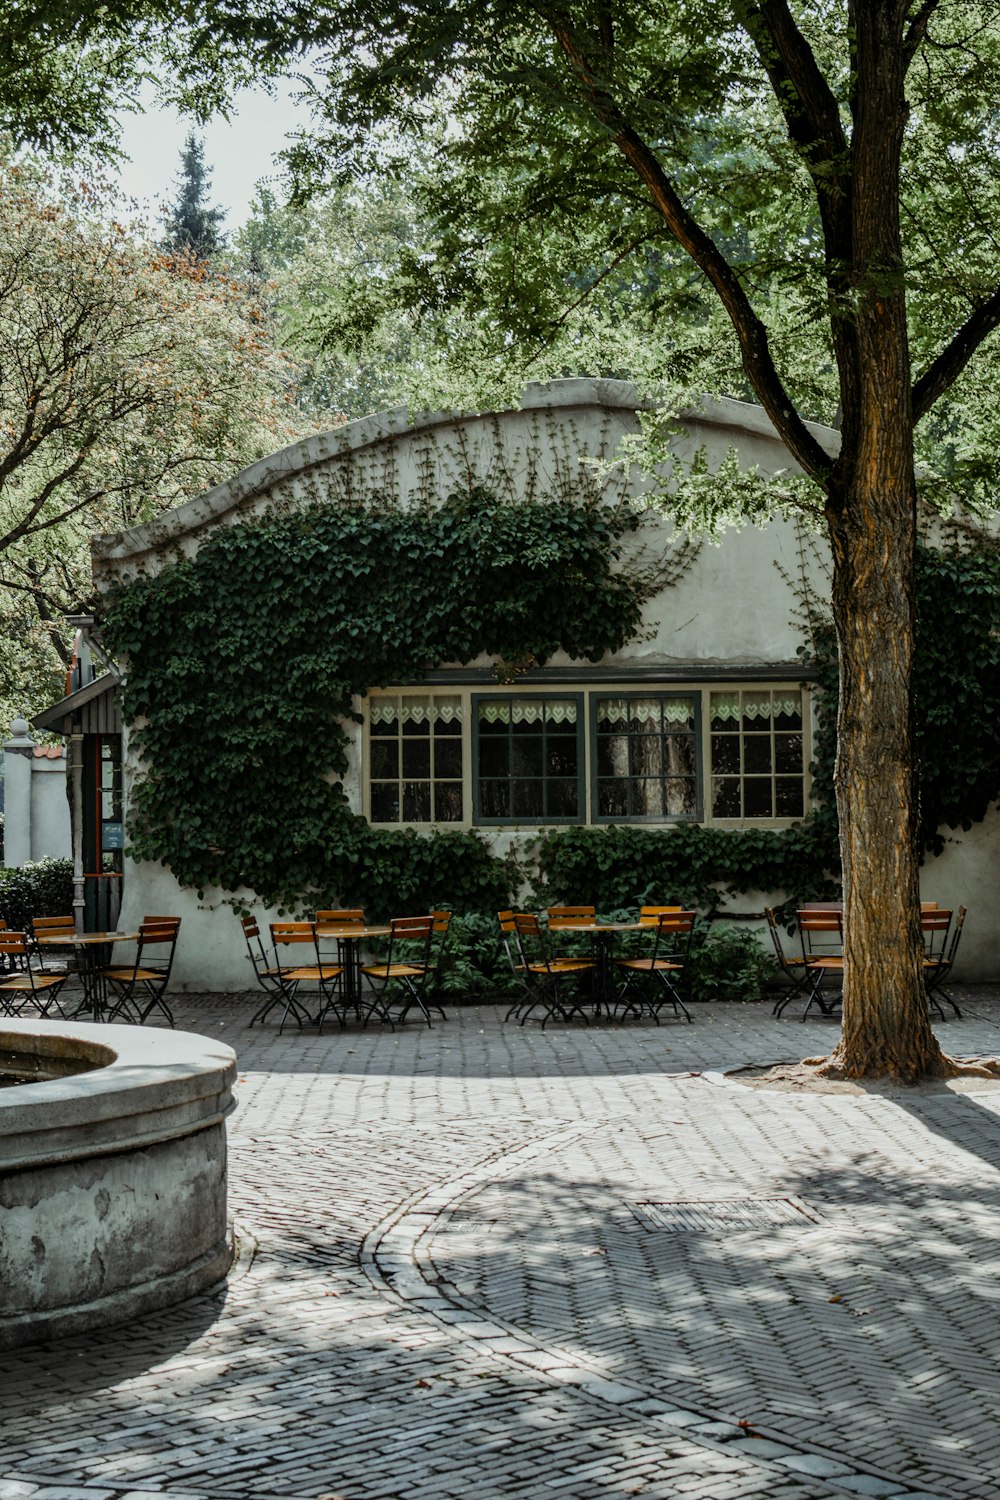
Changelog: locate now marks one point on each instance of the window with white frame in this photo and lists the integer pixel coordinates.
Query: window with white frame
(415, 758)
(757, 753)
(607, 753)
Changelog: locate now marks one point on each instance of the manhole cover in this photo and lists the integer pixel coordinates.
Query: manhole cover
(724, 1213)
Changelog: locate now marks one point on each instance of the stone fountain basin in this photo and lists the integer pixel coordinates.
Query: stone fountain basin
(112, 1174)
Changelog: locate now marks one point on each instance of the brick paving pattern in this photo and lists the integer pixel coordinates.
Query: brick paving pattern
(447, 1284)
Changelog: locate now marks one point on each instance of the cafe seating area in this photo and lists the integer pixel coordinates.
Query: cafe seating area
(569, 964)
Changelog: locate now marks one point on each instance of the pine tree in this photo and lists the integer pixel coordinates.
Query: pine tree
(191, 226)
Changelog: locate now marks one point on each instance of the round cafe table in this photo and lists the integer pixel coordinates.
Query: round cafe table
(603, 934)
(93, 951)
(348, 937)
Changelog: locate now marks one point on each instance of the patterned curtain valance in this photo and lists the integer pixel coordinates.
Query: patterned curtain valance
(420, 709)
(527, 711)
(756, 707)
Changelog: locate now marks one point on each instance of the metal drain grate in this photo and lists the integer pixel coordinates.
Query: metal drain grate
(724, 1213)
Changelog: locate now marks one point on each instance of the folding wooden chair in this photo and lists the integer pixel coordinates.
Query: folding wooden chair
(24, 983)
(51, 927)
(794, 969)
(546, 982)
(666, 964)
(406, 967)
(138, 988)
(939, 952)
(293, 973)
(821, 930)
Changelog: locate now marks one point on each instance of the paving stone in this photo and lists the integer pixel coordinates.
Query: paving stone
(577, 1352)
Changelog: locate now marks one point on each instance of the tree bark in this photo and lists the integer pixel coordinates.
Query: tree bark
(871, 516)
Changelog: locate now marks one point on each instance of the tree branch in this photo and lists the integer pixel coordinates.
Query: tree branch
(750, 331)
(943, 371)
(918, 29)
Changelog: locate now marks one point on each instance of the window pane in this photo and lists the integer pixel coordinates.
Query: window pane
(757, 798)
(757, 754)
(385, 759)
(527, 757)
(448, 801)
(562, 797)
(646, 755)
(680, 755)
(416, 757)
(756, 710)
(724, 710)
(612, 715)
(494, 799)
(788, 753)
(447, 757)
(385, 802)
(529, 799)
(680, 797)
(612, 799)
(725, 797)
(787, 709)
(726, 754)
(561, 755)
(416, 801)
(612, 755)
(494, 757)
(646, 799)
(789, 797)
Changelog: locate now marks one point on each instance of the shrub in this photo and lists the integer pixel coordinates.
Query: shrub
(43, 888)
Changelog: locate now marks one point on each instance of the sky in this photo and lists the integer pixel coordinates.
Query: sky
(238, 153)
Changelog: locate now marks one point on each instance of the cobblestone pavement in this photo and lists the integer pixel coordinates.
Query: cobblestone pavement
(460, 1274)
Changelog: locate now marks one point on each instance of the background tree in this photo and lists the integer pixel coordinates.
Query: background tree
(190, 226)
(817, 179)
(128, 384)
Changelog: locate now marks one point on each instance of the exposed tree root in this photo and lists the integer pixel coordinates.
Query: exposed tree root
(820, 1074)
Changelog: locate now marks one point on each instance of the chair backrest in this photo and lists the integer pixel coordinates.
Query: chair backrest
(154, 932)
(568, 916)
(284, 933)
(14, 949)
(774, 928)
(822, 906)
(349, 917)
(956, 935)
(821, 931)
(650, 915)
(45, 927)
(531, 940)
(410, 940)
(508, 934)
(935, 924)
(674, 930)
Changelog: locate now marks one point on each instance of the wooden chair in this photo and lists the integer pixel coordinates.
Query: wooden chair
(821, 934)
(547, 983)
(266, 971)
(557, 918)
(344, 953)
(666, 963)
(794, 969)
(23, 981)
(49, 927)
(138, 988)
(940, 946)
(406, 970)
(288, 939)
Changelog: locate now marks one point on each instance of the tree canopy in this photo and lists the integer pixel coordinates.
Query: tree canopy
(130, 382)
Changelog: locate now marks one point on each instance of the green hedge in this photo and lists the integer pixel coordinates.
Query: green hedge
(40, 889)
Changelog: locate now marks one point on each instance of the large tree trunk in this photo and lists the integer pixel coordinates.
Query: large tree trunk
(872, 523)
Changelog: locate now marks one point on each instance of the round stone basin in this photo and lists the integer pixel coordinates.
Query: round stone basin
(112, 1173)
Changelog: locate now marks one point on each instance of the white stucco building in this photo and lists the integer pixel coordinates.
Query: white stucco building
(706, 717)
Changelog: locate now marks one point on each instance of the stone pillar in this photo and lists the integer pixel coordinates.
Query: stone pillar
(18, 752)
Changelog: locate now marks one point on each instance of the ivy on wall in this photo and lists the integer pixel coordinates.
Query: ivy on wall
(244, 660)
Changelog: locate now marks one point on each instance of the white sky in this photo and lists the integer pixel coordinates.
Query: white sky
(238, 153)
